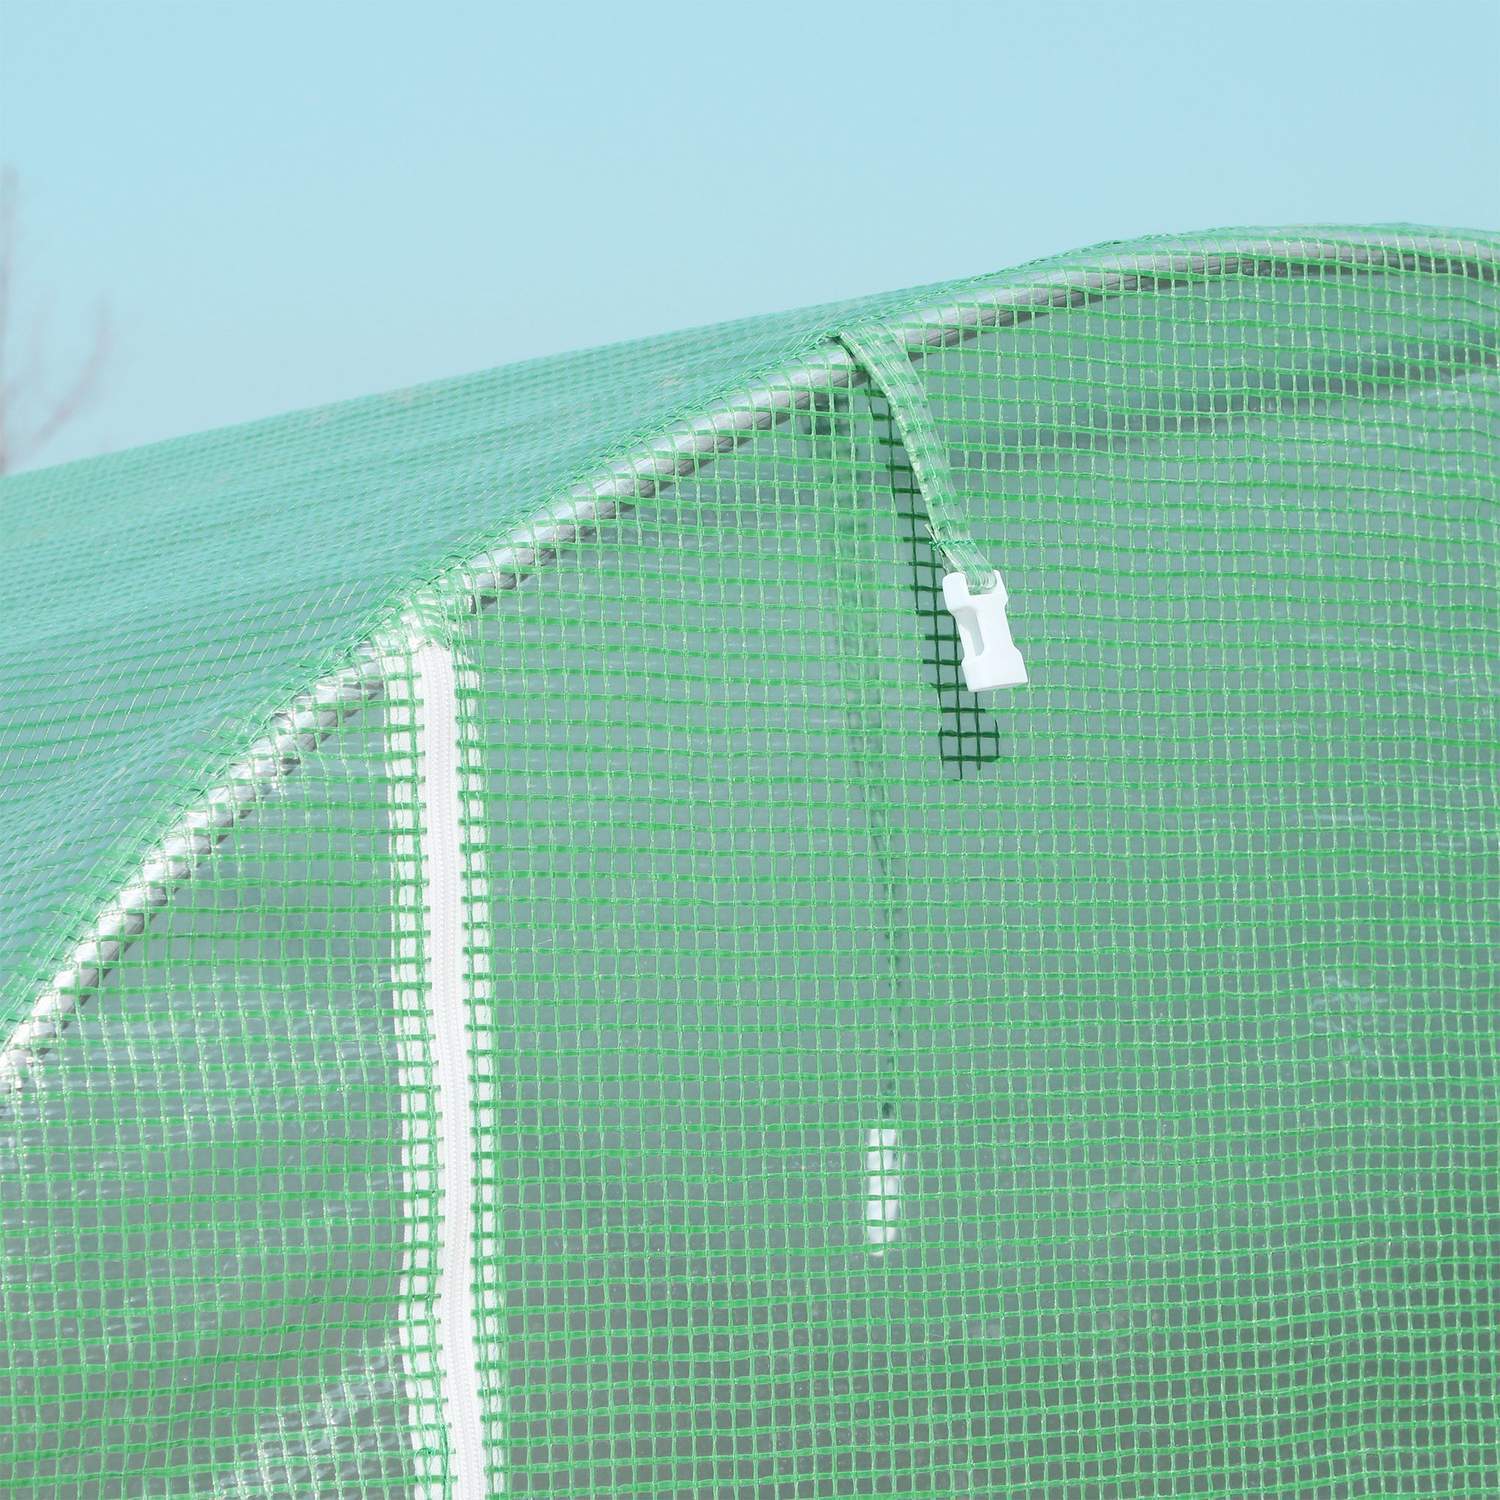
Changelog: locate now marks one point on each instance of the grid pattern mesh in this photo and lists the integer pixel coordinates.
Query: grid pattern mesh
(217, 1207)
(1088, 1090)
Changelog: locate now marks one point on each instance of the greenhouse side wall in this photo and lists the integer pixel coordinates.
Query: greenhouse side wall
(217, 1191)
(893, 1091)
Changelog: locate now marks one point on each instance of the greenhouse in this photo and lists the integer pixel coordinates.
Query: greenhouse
(896, 899)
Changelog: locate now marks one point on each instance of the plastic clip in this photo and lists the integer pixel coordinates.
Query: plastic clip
(991, 659)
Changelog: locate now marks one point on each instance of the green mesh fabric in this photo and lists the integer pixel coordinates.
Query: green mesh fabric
(1085, 1090)
(216, 1196)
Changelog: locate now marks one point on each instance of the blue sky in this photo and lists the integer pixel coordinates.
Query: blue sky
(292, 203)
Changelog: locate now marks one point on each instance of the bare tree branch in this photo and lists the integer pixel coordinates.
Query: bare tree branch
(77, 394)
(28, 390)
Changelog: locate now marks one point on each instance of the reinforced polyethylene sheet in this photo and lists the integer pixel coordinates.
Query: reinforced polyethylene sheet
(853, 1086)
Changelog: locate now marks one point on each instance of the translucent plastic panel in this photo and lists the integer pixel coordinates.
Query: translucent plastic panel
(215, 1201)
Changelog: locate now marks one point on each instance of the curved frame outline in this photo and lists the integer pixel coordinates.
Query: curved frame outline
(312, 716)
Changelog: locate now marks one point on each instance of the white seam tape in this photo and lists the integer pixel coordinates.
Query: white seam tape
(442, 874)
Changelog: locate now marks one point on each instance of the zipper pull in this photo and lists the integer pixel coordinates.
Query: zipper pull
(991, 659)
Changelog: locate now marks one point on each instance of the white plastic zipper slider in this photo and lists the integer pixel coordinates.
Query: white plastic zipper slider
(991, 659)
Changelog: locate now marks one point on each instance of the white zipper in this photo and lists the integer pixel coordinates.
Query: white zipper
(441, 875)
